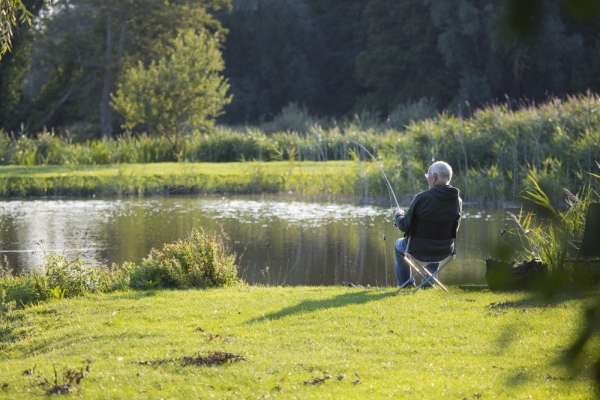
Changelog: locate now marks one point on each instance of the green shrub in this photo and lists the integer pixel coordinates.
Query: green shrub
(115, 278)
(74, 277)
(60, 277)
(28, 288)
(200, 260)
(293, 118)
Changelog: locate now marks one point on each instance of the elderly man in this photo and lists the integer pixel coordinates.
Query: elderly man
(438, 204)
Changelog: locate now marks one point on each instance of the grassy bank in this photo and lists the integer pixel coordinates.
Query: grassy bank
(334, 179)
(496, 152)
(301, 342)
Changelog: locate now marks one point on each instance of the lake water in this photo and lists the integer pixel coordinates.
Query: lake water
(278, 240)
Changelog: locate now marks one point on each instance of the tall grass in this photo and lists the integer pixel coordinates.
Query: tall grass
(554, 235)
(495, 152)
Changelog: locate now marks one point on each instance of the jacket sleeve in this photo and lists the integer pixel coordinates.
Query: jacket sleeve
(403, 222)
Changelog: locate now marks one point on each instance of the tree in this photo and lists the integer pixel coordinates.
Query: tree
(12, 13)
(78, 49)
(477, 40)
(178, 93)
(280, 52)
(173, 17)
(333, 57)
(401, 62)
(343, 35)
(271, 56)
(13, 64)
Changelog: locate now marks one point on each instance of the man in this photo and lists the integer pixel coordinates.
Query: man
(440, 203)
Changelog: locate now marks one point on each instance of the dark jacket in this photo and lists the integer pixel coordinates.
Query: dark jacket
(438, 204)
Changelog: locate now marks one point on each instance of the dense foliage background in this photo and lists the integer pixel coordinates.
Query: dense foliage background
(335, 59)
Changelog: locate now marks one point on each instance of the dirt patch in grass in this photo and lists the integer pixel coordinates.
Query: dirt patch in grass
(317, 381)
(71, 380)
(216, 358)
(501, 305)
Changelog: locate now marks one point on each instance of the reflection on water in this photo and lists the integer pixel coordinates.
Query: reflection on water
(278, 241)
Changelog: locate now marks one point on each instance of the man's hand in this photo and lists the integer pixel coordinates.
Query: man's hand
(399, 213)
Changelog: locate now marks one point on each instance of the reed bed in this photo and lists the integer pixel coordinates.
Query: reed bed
(496, 152)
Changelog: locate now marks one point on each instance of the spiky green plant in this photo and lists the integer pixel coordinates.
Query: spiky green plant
(555, 239)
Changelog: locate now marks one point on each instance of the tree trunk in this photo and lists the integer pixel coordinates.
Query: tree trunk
(105, 109)
(52, 112)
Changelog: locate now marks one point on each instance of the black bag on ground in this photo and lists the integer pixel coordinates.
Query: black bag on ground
(503, 276)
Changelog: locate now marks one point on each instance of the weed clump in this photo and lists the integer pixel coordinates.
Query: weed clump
(60, 277)
(72, 379)
(70, 278)
(201, 260)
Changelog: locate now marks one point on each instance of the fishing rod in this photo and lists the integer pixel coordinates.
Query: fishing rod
(387, 182)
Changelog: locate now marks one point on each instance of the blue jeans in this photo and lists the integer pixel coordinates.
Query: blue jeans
(402, 267)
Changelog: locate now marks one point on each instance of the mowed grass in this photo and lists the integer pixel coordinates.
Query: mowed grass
(167, 168)
(333, 178)
(170, 168)
(301, 342)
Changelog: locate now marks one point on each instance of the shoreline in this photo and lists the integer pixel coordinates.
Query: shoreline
(337, 181)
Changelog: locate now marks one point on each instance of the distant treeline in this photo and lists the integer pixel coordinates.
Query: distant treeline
(333, 58)
(338, 58)
(495, 153)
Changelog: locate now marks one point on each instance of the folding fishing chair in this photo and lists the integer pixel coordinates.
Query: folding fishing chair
(431, 242)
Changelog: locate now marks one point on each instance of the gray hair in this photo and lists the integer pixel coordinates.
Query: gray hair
(443, 170)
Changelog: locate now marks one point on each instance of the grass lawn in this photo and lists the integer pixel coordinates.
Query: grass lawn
(298, 342)
(332, 178)
(172, 168)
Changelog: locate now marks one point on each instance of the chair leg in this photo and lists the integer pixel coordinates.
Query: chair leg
(426, 274)
(429, 275)
(408, 282)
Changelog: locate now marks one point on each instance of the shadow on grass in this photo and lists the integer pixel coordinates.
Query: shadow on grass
(561, 357)
(308, 306)
(534, 300)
